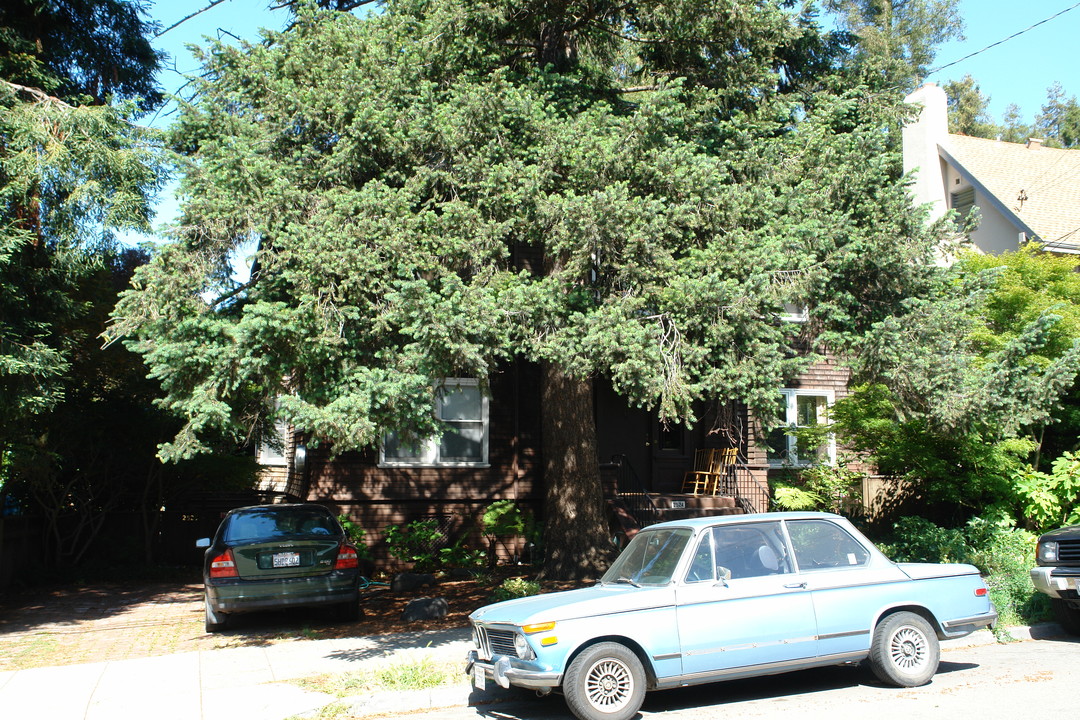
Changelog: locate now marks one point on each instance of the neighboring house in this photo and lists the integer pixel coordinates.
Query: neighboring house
(1024, 192)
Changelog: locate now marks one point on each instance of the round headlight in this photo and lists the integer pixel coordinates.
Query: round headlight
(522, 647)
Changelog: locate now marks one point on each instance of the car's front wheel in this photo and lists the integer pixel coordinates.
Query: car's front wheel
(1067, 617)
(215, 619)
(605, 682)
(905, 651)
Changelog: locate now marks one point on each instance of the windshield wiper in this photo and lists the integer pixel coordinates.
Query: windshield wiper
(624, 579)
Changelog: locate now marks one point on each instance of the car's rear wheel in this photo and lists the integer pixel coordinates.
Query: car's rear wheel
(905, 651)
(1067, 617)
(605, 682)
(215, 619)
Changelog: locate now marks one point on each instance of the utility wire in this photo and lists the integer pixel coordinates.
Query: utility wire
(999, 42)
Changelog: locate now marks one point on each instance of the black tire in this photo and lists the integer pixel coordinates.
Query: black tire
(605, 682)
(1067, 617)
(216, 621)
(905, 651)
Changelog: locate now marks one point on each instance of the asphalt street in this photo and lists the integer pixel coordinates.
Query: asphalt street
(1017, 680)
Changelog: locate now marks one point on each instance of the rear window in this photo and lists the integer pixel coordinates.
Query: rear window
(275, 523)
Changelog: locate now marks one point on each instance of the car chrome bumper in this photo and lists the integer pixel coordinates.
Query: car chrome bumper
(506, 671)
(965, 626)
(1056, 581)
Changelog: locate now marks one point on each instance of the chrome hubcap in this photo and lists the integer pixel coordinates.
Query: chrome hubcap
(909, 650)
(609, 685)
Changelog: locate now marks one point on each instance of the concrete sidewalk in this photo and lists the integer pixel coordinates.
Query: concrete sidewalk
(237, 683)
(248, 683)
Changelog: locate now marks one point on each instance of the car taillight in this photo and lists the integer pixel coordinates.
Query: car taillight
(981, 592)
(346, 557)
(223, 566)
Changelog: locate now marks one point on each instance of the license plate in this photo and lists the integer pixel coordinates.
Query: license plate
(478, 678)
(286, 559)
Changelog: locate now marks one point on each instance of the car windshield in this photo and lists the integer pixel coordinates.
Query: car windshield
(275, 523)
(650, 558)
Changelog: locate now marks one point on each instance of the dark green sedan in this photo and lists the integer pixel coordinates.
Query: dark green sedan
(269, 557)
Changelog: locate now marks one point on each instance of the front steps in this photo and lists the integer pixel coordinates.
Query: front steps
(673, 506)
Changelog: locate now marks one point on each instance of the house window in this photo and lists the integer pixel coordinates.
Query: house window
(800, 409)
(794, 312)
(463, 410)
(272, 448)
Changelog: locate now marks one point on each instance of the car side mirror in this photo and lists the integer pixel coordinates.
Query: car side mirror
(722, 575)
(202, 543)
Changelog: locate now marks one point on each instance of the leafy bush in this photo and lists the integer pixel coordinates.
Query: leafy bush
(417, 543)
(356, 536)
(423, 544)
(460, 555)
(1004, 554)
(515, 588)
(1050, 500)
(503, 519)
(820, 487)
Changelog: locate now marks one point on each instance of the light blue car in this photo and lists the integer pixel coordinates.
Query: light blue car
(696, 601)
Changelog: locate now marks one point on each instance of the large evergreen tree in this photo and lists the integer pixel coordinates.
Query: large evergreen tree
(621, 191)
(895, 41)
(74, 168)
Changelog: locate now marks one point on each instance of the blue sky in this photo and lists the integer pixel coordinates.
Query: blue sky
(1021, 69)
(1017, 71)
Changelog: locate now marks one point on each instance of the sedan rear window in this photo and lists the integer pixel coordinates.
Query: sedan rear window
(274, 523)
(821, 544)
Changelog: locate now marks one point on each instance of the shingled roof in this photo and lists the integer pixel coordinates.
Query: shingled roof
(1040, 185)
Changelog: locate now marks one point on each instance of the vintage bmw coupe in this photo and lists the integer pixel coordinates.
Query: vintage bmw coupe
(696, 601)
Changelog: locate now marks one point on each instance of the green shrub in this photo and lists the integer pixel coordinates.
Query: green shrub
(515, 588)
(417, 543)
(1004, 554)
(356, 536)
(505, 519)
(460, 555)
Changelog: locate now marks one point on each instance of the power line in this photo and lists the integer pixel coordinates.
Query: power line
(999, 42)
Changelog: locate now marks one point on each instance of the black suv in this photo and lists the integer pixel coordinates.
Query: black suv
(1058, 574)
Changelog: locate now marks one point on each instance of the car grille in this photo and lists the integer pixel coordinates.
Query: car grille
(1069, 552)
(490, 643)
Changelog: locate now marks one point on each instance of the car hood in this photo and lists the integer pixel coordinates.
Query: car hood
(569, 604)
(1071, 532)
(925, 571)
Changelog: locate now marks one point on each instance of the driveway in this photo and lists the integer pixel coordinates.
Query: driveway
(104, 622)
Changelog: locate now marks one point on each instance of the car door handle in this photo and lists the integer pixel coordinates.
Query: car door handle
(796, 586)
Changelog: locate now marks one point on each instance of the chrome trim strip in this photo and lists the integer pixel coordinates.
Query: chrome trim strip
(850, 633)
(763, 669)
(667, 656)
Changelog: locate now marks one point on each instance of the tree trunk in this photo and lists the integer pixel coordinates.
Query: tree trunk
(575, 528)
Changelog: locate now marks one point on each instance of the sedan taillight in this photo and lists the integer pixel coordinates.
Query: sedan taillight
(346, 557)
(223, 566)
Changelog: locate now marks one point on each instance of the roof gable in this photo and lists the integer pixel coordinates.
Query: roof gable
(1039, 185)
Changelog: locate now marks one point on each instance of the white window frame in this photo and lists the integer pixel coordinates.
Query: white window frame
(430, 447)
(269, 455)
(794, 312)
(790, 420)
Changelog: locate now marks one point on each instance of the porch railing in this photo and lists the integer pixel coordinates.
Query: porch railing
(750, 494)
(632, 493)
